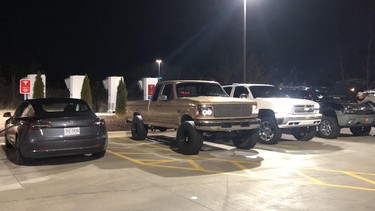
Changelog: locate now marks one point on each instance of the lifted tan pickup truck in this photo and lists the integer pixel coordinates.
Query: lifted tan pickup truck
(199, 110)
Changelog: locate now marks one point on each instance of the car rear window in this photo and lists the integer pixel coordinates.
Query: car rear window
(199, 89)
(67, 107)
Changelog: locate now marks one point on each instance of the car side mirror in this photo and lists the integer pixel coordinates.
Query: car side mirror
(163, 97)
(243, 96)
(7, 114)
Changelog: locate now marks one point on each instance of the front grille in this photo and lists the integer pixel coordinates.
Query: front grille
(232, 110)
(362, 109)
(303, 109)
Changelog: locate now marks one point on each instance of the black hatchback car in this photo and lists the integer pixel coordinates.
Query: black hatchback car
(54, 127)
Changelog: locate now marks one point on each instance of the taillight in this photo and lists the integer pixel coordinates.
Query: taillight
(101, 122)
(39, 125)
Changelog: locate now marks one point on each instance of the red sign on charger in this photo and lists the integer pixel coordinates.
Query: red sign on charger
(151, 89)
(25, 86)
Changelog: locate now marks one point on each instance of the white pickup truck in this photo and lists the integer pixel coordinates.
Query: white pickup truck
(278, 113)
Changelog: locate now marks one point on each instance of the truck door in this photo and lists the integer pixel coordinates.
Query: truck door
(161, 109)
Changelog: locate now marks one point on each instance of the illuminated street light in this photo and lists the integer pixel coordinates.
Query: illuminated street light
(159, 62)
(244, 41)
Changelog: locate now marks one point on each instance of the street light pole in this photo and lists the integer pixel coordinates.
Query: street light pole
(159, 62)
(244, 42)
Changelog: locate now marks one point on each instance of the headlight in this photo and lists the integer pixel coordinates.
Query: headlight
(284, 109)
(316, 108)
(255, 109)
(205, 110)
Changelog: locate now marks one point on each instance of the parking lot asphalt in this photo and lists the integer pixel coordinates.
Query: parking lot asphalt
(320, 174)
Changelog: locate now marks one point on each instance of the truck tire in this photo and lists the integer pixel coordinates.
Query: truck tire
(304, 133)
(246, 140)
(328, 128)
(189, 140)
(138, 129)
(360, 131)
(269, 132)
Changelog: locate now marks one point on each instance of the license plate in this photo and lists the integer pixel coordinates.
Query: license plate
(71, 131)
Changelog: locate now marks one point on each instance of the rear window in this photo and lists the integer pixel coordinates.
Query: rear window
(199, 89)
(65, 107)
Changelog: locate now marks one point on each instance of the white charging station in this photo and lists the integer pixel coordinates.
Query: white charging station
(74, 84)
(148, 87)
(110, 84)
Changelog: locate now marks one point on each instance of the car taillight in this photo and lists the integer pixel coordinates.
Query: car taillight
(101, 122)
(39, 125)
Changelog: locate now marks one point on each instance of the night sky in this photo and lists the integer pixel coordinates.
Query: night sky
(105, 38)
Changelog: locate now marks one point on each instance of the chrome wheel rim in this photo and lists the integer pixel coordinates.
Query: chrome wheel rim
(326, 127)
(266, 132)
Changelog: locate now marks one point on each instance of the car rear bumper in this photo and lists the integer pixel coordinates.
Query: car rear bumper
(52, 148)
(227, 125)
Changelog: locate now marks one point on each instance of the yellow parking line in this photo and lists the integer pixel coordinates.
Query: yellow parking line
(202, 170)
(224, 160)
(126, 157)
(133, 153)
(242, 167)
(196, 165)
(315, 181)
(318, 182)
(240, 164)
(182, 156)
(340, 171)
(361, 178)
(348, 187)
(160, 162)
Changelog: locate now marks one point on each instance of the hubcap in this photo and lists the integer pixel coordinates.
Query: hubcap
(326, 127)
(266, 132)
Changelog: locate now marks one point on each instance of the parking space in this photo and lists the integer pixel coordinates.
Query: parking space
(158, 151)
(151, 174)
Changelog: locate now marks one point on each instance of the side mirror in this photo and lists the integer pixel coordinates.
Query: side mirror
(7, 114)
(243, 96)
(163, 97)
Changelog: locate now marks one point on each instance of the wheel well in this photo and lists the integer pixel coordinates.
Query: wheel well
(185, 118)
(329, 113)
(135, 114)
(266, 113)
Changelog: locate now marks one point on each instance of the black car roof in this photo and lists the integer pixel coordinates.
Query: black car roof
(54, 100)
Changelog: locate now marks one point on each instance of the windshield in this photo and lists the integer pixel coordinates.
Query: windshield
(199, 89)
(320, 92)
(265, 91)
(297, 93)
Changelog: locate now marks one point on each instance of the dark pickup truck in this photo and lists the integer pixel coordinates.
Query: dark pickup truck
(339, 111)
